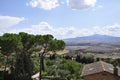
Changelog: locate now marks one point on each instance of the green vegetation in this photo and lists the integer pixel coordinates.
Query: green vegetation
(20, 51)
(64, 69)
(85, 59)
(23, 55)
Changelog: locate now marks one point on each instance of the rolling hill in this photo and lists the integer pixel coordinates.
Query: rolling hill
(93, 40)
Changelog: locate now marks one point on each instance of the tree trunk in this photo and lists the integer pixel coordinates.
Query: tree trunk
(40, 68)
(6, 63)
(41, 65)
(4, 73)
(42, 62)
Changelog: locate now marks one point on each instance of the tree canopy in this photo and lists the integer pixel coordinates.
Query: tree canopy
(23, 45)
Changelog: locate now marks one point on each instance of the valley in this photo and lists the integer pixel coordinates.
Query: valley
(101, 46)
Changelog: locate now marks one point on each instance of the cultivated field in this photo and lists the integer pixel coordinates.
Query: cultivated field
(102, 50)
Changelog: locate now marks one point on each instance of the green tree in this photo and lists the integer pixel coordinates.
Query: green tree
(47, 43)
(78, 58)
(22, 46)
(64, 69)
(23, 63)
(56, 45)
(9, 43)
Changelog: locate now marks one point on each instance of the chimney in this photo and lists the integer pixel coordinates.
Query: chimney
(115, 69)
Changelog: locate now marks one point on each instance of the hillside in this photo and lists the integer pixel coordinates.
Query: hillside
(93, 40)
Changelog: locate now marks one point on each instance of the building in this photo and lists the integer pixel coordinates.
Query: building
(36, 76)
(100, 71)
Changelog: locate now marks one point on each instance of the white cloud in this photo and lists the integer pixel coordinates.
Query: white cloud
(8, 21)
(43, 4)
(41, 28)
(81, 4)
(113, 30)
(69, 32)
(45, 28)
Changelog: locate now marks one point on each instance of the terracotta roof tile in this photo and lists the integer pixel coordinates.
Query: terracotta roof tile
(97, 67)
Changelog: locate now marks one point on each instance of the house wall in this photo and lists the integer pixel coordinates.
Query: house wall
(101, 76)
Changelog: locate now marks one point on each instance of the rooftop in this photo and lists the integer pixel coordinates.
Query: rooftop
(97, 67)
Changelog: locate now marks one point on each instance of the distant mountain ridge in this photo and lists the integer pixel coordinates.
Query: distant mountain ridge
(92, 39)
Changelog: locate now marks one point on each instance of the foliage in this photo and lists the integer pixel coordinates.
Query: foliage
(18, 52)
(117, 62)
(65, 69)
(9, 43)
(84, 59)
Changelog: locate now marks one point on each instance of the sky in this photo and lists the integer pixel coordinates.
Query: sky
(61, 18)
